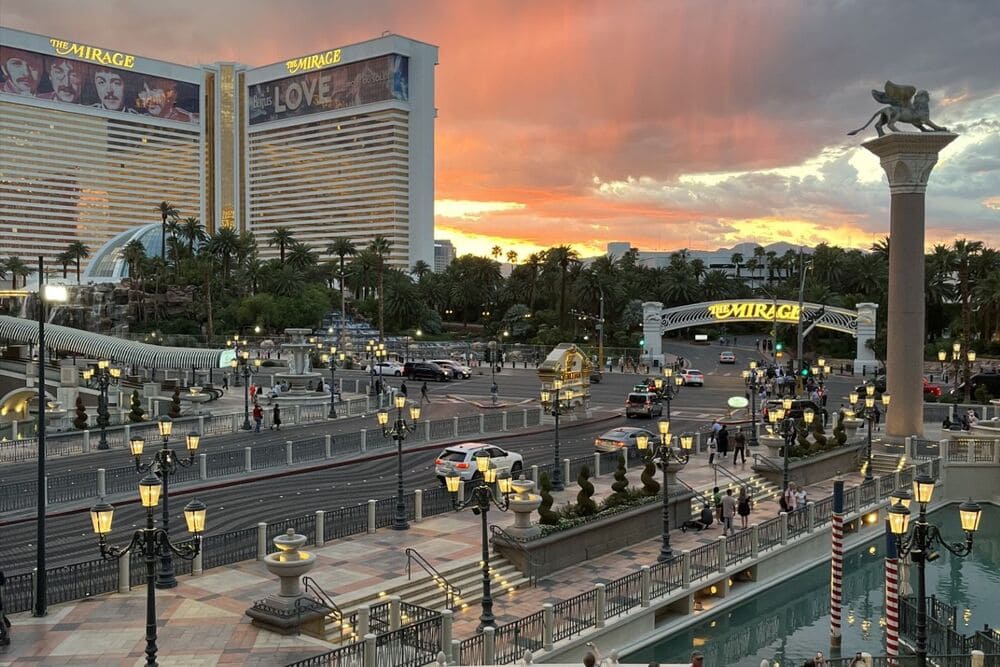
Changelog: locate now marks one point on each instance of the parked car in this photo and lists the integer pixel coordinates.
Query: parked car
(595, 376)
(623, 438)
(989, 380)
(461, 460)
(643, 404)
(727, 357)
(457, 369)
(931, 391)
(425, 370)
(388, 368)
(693, 377)
(799, 406)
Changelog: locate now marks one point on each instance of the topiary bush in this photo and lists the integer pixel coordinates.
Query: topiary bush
(818, 435)
(620, 485)
(546, 515)
(650, 487)
(839, 432)
(80, 420)
(175, 404)
(136, 413)
(585, 505)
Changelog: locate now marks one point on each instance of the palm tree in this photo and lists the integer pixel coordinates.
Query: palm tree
(380, 247)
(497, 251)
(301, 257)
(966, 253)
(17, 269)
(64, 260)
(342, 248)
(282, 238)
(133, 253)
(166, 210)
(421, 269)
(737, 261)
(77, 251)
(193, 231)
(512, 257)
(562, 256)
(224, 244)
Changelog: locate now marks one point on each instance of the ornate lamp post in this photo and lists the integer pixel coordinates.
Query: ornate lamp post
(669, 387)
(754, 378)
(370, 348)
(481, 496)
(241, 366)
(151, 543)
(333, 357)
(163, 465)
(555, 407)
(787, 431)
(103, 377)
(398, 432)
(868, 414)
(671, 461)
(919, 541)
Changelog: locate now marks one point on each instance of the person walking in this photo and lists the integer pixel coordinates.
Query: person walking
(787, 501)
(739, 447)
(402, 388)
(728, 511)
(800, 497)
(717, 503)
(258, 417)
(225, 381)
(743, 506)
(423, 393)
(722, 441)
(276, 418)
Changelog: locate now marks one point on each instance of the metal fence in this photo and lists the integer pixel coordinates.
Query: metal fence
(352, 655)
(345, 521)
(468, 425)
(513, 639)
(769, 533)
(573, 616)
(622, 594)
(704, 561)
(232, 547)
(738, 547)
(666, 577)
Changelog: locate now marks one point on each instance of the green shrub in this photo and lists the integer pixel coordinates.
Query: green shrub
(650, 487)
(175, 404)
(80, 420)
(620, 485)
(585, 505)
(136, 414)
(817, 433)
(839, 432)
(546, 515)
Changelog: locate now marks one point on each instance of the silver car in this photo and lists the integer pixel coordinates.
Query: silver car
(461, 460)
(623, 438)
(457, 370)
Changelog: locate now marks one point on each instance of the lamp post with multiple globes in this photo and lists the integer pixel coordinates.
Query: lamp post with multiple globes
(242, 366)
(104, 376)
(782, 420)
(670, 461)
(553, 402)
(669, 386)
(333, 357)
(398, 432)
(868, 413)
(754, 377)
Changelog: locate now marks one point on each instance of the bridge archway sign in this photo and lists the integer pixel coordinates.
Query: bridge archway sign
(860, 323)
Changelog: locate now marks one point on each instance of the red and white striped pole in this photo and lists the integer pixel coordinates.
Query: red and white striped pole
(891, 594)
(836, 562)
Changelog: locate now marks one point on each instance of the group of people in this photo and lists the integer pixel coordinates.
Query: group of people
(719, 442)
(727, 507)
(793, 498)
(968, 419)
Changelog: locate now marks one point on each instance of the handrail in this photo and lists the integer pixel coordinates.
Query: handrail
(758, 459)
(734, 477)
(698, 494)
(320, 596)
(497, 531)
(451, 592)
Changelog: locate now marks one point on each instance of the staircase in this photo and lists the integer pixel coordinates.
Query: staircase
(886, 464)
(760, 490)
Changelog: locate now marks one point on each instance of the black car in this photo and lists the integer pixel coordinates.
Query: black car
(425, 370)
(989, 380)
(799, 407)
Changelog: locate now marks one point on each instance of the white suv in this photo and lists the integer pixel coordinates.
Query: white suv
(461, 460)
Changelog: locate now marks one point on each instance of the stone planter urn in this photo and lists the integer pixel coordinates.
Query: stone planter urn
(773, 444)
(673, 468)
(284, 612)
(522, 503)
(852, 425)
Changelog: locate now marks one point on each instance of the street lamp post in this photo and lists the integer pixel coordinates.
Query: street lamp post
(370, 348)
(104, 376)
(669, 387)
(398, 432)
(480, 498)
(150, 542)
(754, 378)
(241, 366)
(919, 541)
(868, 413)
(333, 356)
(163, 465)
(787, 431)
(554, 402)
(670, 461)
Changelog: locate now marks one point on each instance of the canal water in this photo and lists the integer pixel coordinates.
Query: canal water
(791, 622)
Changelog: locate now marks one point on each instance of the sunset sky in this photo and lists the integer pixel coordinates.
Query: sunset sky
(693, 124)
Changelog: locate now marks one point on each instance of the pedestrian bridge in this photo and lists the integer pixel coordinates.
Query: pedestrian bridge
(860, 323)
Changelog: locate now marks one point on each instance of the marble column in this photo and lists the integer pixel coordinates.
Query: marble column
(907, 159)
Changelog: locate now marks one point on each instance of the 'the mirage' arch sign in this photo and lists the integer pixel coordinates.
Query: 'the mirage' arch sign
(860, 323)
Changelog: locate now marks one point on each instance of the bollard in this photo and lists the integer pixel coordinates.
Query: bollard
(482, 424)
(364, 620)
(86, 441)
(722, 553)
(461, 491)
(565, 463)
(203, 466)
(784, 527)
(13, 430)
(754, 541)
(261, 540)
(395, 613)
(102, 489)
(364, 440)
(978, 658)
(489, 645)
(320, 528)
(534, 475)
(503, 420)
(371, 516)
(128, 434)
(810, 515)
(196, 564)
(370, 650)
(329, 445)
(418, 505)
(599, 605)
(201, 424)
(548, 625)
(456, 649)
(646, 586)
(446, 632)
(248, 459)
(454, 426)
(427, 430)
(597, 464)
(686, 569)
(124, 575)
(288, 452)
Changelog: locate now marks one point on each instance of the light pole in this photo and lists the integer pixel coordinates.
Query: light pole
(481, 497)
(381, 354)
(370, 348)
(670, 462)
(868, 414)
(333, 357)
(942, 356)
(46, 294)
(163, 465)
(754, 378)
(919, 542)
(555, 407)
(398, 432)
(150, 542)
(669, 387)
(104, 376)
(787, 431)
(241, 366)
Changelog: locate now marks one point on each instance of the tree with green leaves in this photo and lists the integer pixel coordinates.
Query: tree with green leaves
(650, 487)
(175, 404)
(80, 420)
(282, 238)
(167, 211)
(77, 251)
(545, 514)
(136, 413)
(224, 245)
(620, 485)
(380, 248)
(193, 232)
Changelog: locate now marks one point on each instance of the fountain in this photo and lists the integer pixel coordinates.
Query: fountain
(523, 502)
(285, 612)
(195, 397)
(300, 372)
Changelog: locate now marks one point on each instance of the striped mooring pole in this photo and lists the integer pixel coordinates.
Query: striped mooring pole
(836, 562)
(891, 594)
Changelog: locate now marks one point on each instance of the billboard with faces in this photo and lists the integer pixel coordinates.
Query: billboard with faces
(72, 82)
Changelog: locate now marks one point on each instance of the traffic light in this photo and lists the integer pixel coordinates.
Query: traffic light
(642, 342)
(778, 354)
(778, 347)
(804, 372)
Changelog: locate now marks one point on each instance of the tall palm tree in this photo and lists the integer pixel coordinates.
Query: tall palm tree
(166, 210)
(193, 232)
(64, 260)
(497, 251)
(224, 244)
(421, 269)
(282, 238)
(78, 250)
(737, 261)
(562, 256)
(342, 247)
(302, 257)
(380, 247)
(16, 269)
(512, 257)
(134, 253)
(966, 253)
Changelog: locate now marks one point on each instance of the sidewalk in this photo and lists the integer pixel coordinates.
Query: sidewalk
(202, 621)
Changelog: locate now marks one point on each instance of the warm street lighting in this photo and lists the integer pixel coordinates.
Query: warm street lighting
(163, 464)
(481, 497)
(918, 542)
(869, 412)
(670, 461)
(105, 376)
(669, 388)
(151, 543)
(333, 358)
(554, 403)
(398, 432)
(242, 366)
(754, 378)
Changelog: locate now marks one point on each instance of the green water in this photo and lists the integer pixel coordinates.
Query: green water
(791, 622)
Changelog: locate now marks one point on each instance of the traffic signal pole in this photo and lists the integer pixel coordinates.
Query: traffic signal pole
(802, 289)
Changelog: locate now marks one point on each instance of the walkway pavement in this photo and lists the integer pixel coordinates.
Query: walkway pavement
(202, 621)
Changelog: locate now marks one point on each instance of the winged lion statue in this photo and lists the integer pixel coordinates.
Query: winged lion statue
(906, 105)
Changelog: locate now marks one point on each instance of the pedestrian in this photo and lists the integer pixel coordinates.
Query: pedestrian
(878, 417)
(253, 392)
(743, 504)
(787, 502)
(703, 521)
(225, 381)
(722, 441)
(258, 416)
(697, 659)
(800, 496)
(728, 511)
(423, 393)
(717, 503)
(739, 447)
(276, 418)
(712, 449)
(402, 389)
